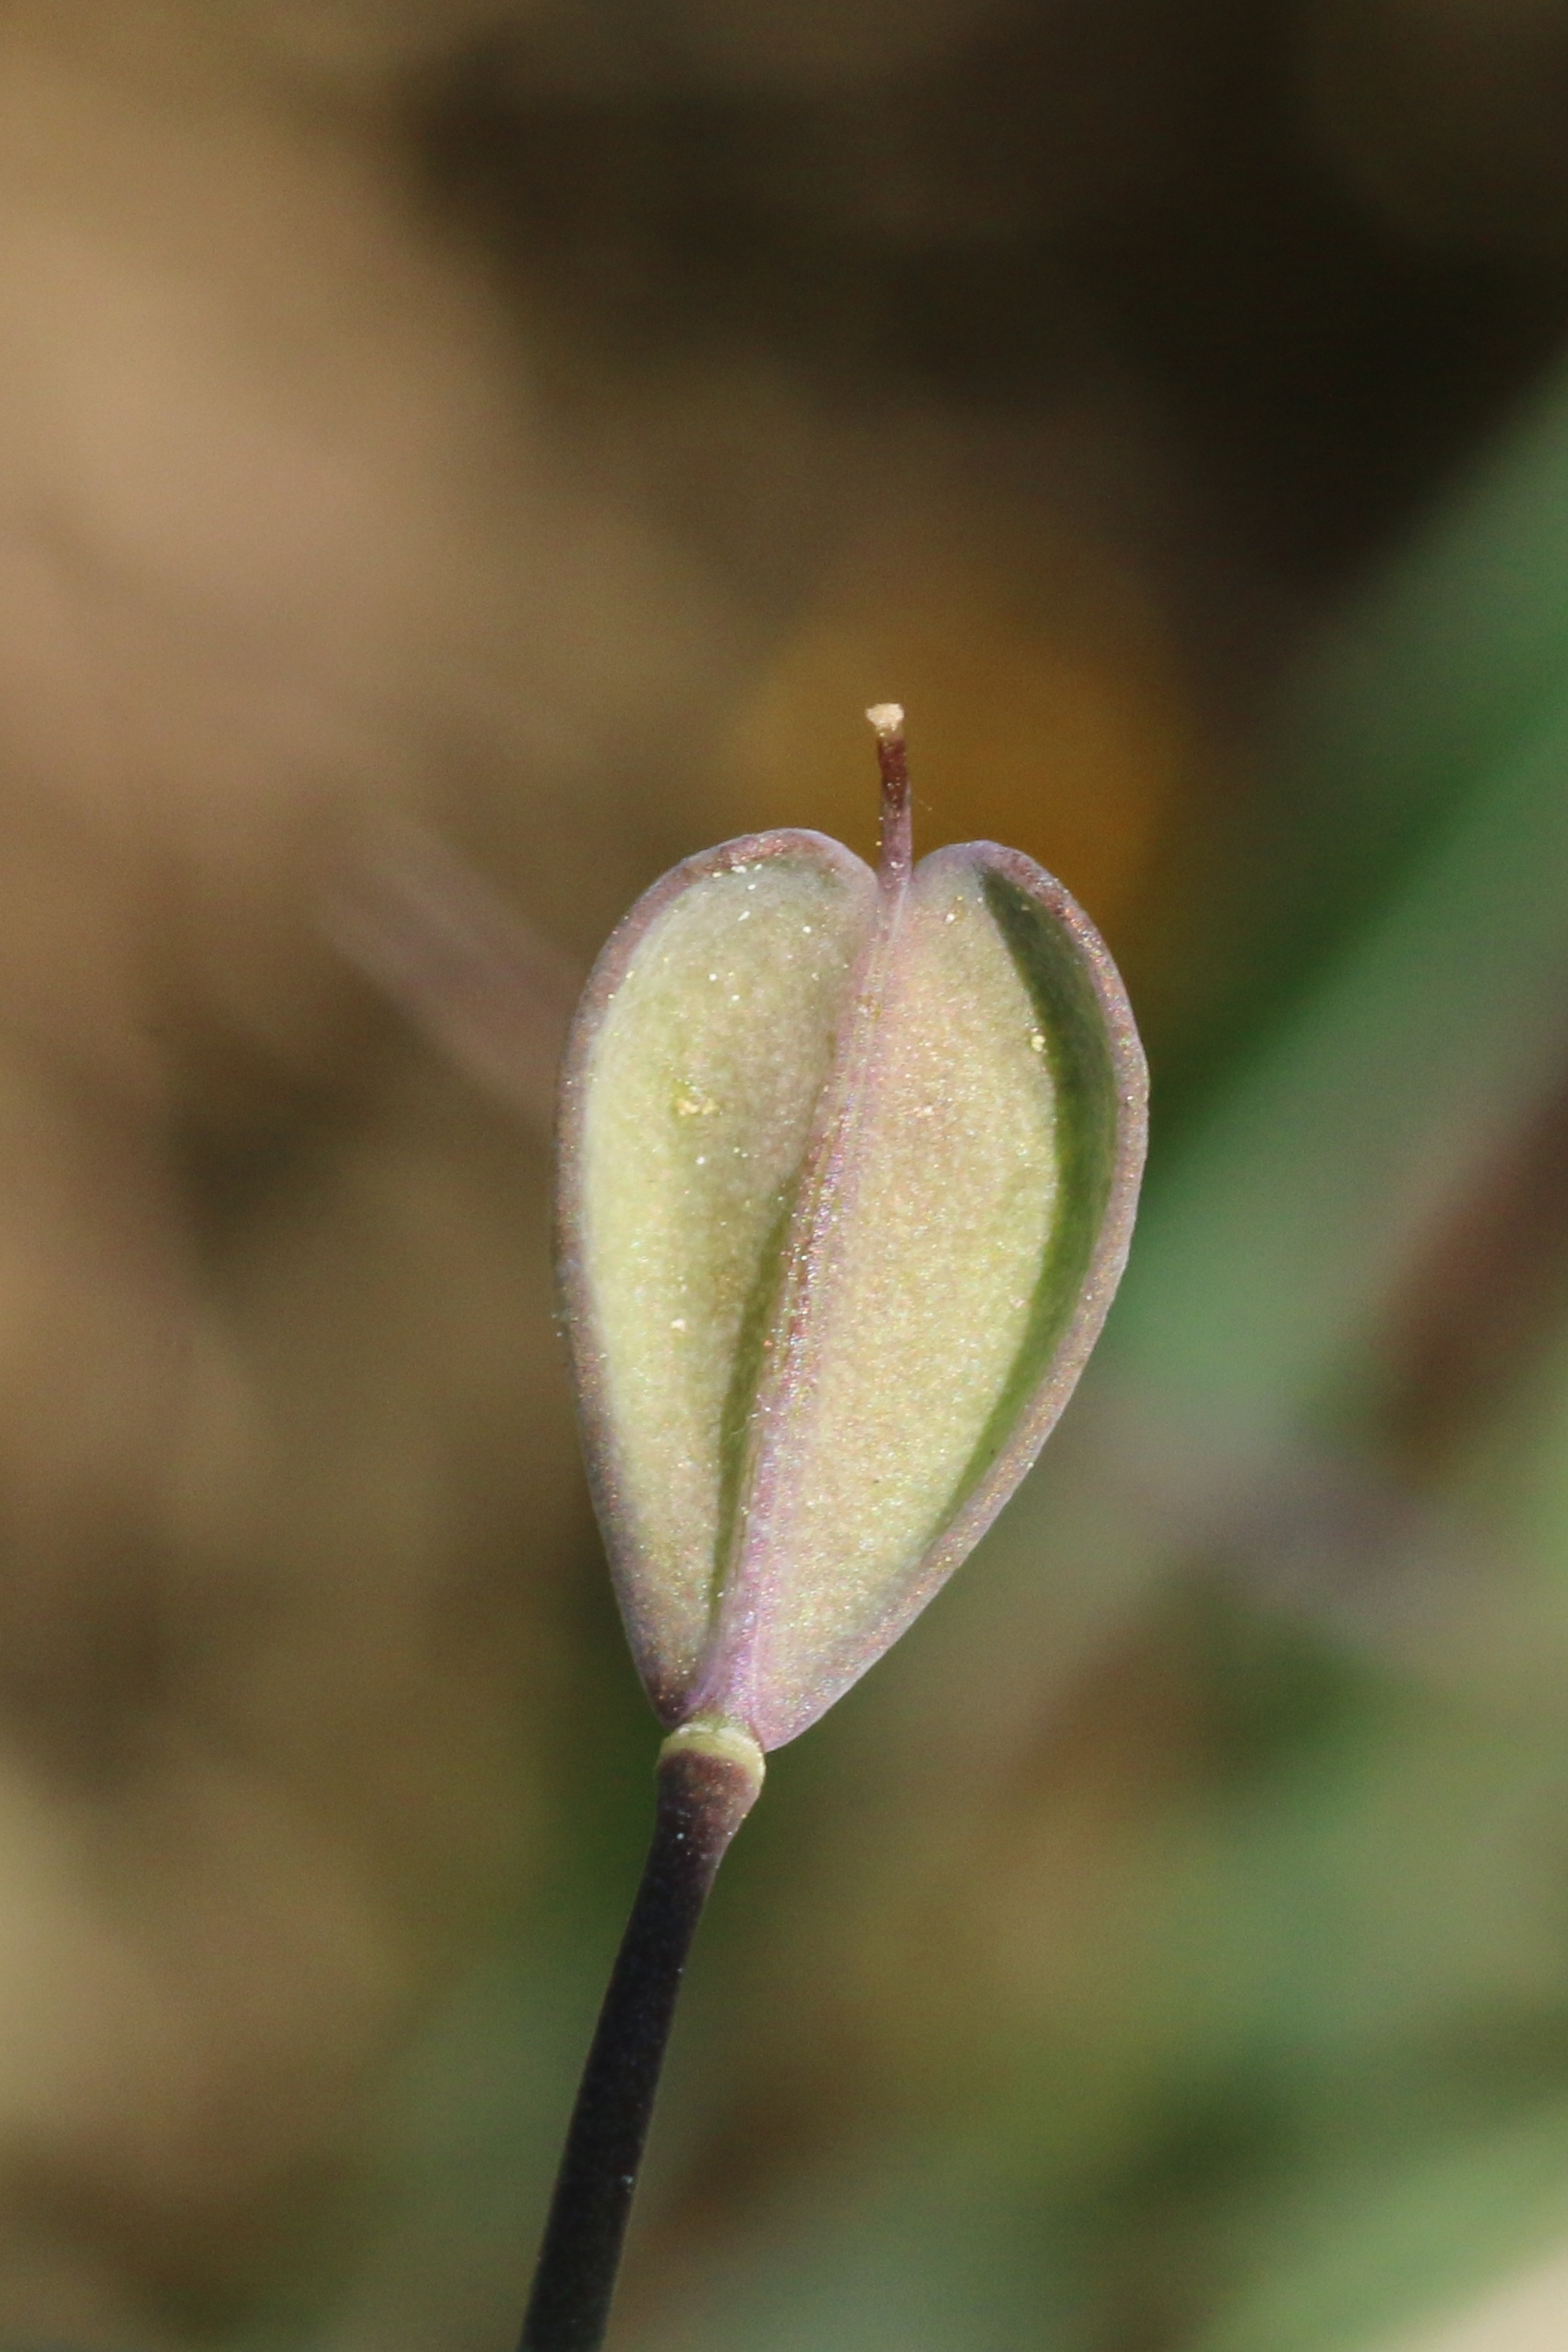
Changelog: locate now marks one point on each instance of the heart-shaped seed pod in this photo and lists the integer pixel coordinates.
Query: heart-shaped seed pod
(849, 1164)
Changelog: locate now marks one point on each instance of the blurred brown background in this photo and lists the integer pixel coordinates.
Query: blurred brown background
(454, 460)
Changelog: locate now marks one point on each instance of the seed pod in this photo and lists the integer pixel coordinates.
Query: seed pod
(849, 1164)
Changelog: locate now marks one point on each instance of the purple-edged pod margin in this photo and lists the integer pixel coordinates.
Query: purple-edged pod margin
(849, 1163)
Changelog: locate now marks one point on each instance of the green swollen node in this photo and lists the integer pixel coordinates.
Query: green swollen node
(848, 1166)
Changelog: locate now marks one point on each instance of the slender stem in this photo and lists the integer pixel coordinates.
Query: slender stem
(898, 851)
(710, 1775)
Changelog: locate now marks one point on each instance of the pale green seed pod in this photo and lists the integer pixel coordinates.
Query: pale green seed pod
(848, 1166)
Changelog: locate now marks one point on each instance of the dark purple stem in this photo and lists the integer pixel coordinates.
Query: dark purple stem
(704, 1796)
(897, 822)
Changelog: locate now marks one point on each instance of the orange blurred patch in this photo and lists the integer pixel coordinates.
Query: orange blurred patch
(1047, 711)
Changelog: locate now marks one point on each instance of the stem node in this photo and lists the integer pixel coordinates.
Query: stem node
(709, 1774)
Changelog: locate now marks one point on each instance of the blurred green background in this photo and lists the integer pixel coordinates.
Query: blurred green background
(548, 428)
